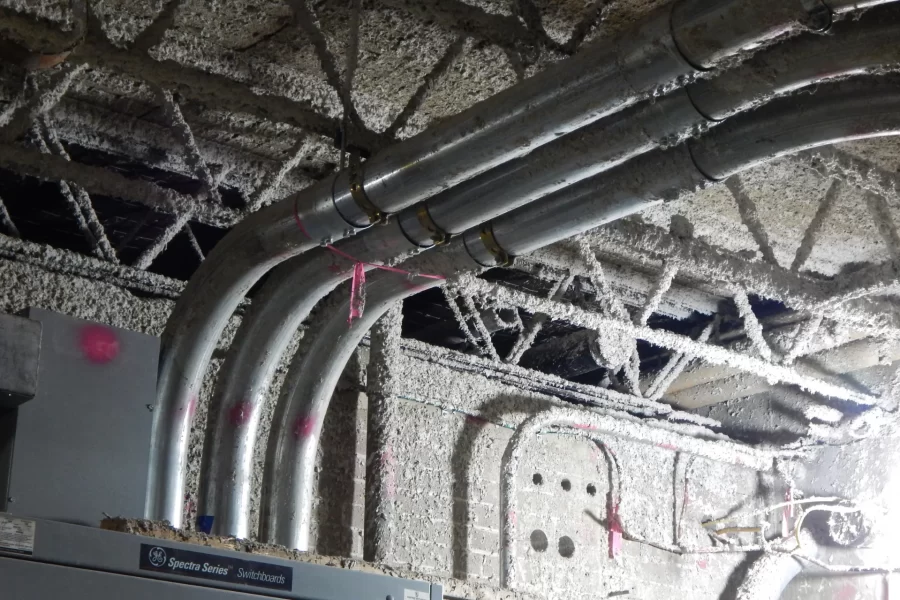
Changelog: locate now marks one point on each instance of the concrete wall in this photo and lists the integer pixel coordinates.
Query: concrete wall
(447, 435)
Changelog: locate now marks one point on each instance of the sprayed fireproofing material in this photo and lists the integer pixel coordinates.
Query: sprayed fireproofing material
(284, 507)
(594, 424)
(242, 380)
(557, 101)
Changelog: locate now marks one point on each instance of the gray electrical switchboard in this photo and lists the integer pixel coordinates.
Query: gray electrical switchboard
(80, 448)
(46, 559)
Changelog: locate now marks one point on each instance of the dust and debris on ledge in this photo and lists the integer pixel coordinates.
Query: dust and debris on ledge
(161, 530)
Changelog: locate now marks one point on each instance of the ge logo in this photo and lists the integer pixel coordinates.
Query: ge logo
(157, 557)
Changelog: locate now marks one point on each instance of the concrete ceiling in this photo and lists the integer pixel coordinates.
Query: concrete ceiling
(417, 62)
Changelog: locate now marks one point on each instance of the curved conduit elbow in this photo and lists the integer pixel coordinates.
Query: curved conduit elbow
(768, 577)
(838, 114)
(306, 394)
(593, 150)
(667, 48)
(278, 310)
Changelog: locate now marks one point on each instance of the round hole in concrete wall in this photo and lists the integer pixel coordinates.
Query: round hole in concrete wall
(566, 547)
(566, 484)
(537, 479)
(591, 489)
(539, 540)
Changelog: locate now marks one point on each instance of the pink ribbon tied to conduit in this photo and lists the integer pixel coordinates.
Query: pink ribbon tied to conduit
(358, 279)
(614, 525)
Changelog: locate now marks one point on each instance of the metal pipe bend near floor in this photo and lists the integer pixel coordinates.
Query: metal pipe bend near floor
(604, 79)
(590, 423)
(768, 577)
(235, 412)
(237, 404)
(198, 319)
(244, 378)
(306, 394)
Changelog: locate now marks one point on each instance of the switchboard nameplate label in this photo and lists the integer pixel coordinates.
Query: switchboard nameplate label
(175, 561)
(16, 535)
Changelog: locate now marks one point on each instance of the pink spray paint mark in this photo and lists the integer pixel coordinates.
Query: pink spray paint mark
(357, 292)
(615, 529)
(847, 592)
(99, 344)
(787, 513)
(512, 517)
(358, 283)
(191, 406)
(668, 447)
(303, 427)
(702, 564)
(584, 427)
(240, 413)
(390, 476)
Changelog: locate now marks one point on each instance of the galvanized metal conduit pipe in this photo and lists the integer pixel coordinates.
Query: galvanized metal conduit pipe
(840, 7)
(850, 48)
(276, 313)
(610, 141)
(856, 109)
(604, 79)
(768, 577)
(296, 427)
(602, 426)
(623, 191)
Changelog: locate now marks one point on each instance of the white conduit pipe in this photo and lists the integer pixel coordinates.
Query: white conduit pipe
(598, 426)
(605, 78)
(768, 577)
(624, 136)
(595, 208)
